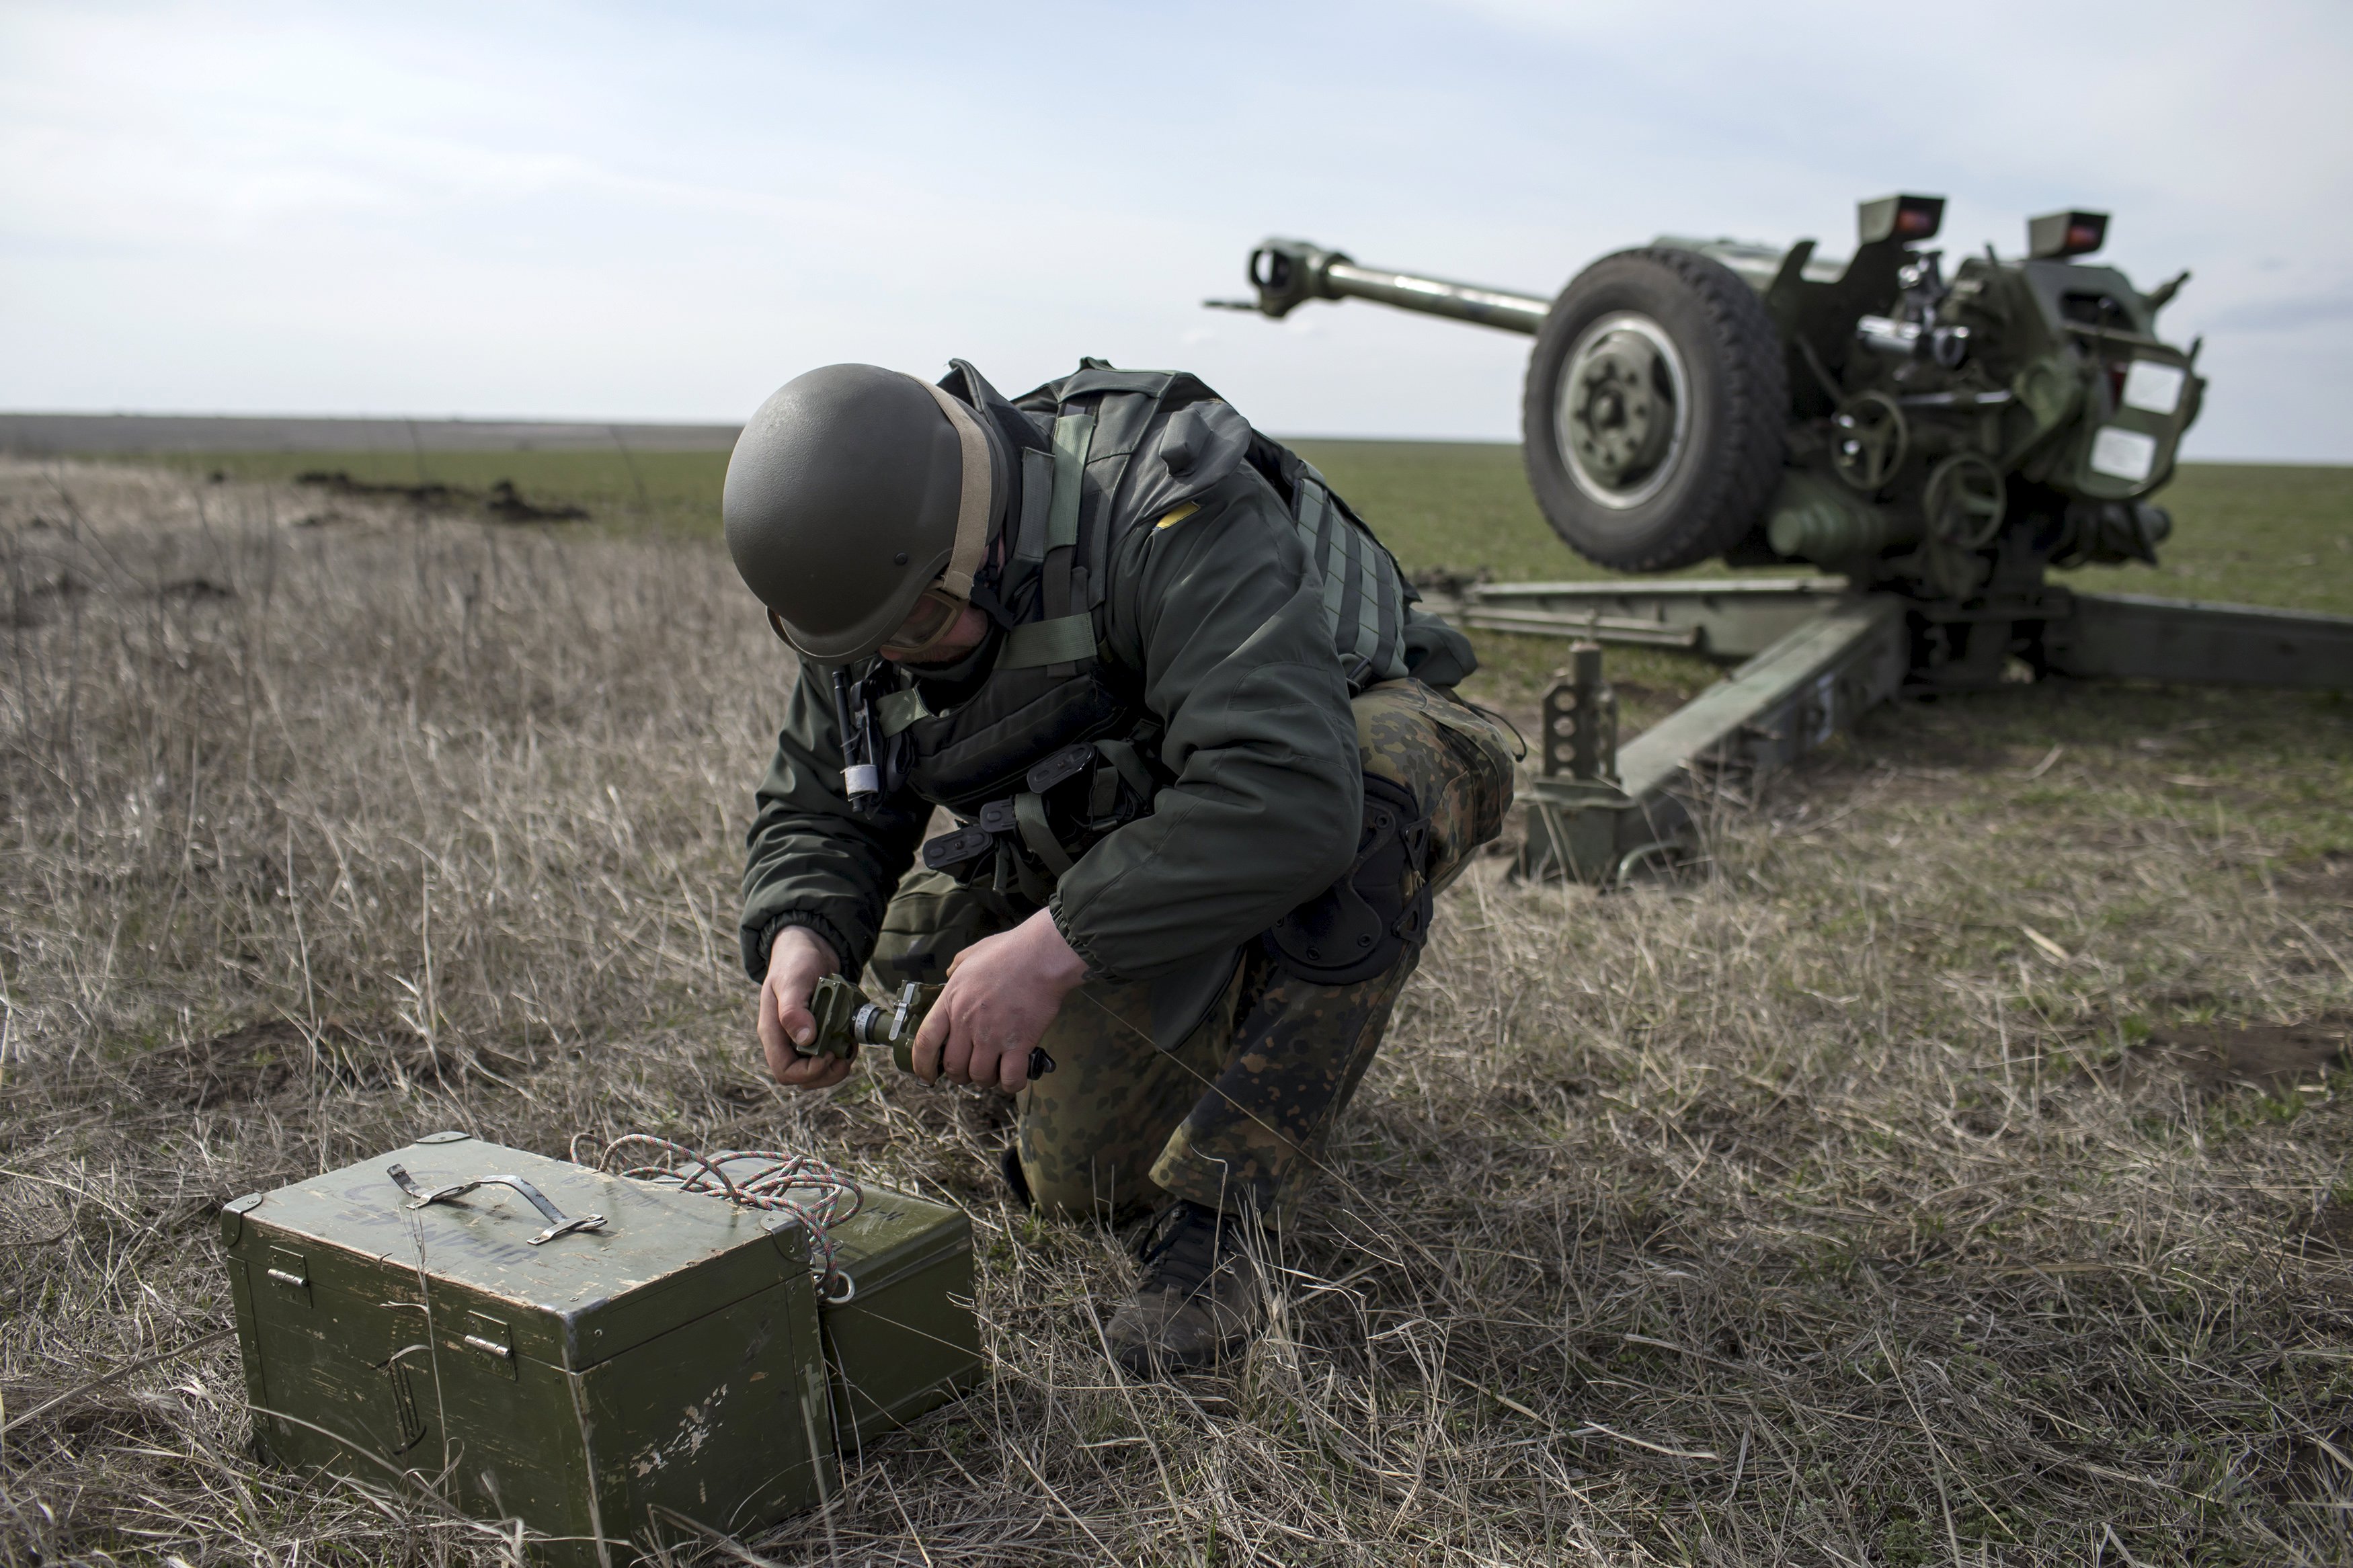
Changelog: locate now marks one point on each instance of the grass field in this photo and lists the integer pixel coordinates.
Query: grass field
(2243, 534)
(1960, 1169)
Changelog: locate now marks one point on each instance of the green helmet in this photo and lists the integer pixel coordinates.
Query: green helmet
(851, 490)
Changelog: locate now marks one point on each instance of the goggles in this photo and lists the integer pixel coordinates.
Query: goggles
(928, 626)
(928, 623)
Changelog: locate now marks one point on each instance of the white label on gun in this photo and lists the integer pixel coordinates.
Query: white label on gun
(2154, 386)
(2125, 455)
(863, 779)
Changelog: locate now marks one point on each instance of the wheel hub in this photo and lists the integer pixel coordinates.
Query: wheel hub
(1623, 412)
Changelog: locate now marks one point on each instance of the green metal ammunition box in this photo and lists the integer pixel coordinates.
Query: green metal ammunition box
(900, 1334)
(606, 1387)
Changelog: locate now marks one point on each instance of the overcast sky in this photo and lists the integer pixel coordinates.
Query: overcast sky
(661, 213)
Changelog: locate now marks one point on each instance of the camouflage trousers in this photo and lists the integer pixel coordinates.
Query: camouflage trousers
(1236, 1117)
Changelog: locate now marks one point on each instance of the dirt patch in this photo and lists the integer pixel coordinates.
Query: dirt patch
(194, 590)
(339, 482)
(2327, 880)
(2216, 1061)
(507, 504)
(504, 503)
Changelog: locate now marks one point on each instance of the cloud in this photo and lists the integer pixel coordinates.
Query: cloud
(615, 211)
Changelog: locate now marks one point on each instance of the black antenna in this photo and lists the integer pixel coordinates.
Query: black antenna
(862, 781)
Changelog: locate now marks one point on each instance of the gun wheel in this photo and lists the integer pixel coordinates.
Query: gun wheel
(1652, 418)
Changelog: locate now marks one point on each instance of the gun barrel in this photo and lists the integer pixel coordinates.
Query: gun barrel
(1437, 296)
(1289, 272)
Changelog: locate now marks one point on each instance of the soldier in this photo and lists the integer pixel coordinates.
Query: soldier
(1204, 762)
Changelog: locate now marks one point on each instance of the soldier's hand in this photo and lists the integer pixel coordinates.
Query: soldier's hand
(1001, 995)
(796, 962)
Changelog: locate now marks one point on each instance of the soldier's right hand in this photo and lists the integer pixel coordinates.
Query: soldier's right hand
(797, 960)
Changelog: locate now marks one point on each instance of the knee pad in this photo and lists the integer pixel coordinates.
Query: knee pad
(1379, 909)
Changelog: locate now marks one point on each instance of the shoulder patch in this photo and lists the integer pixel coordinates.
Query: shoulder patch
(1176, 515)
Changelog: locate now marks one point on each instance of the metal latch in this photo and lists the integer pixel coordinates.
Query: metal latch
(289, 1268)
(493, 1338)
(557, 1224)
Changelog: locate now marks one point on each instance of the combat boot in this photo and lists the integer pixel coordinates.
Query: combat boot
(1202, 1297)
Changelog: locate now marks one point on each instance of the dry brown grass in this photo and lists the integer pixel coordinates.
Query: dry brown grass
(1769, 1217)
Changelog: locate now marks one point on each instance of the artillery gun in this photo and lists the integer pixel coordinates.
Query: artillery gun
(1934, 444)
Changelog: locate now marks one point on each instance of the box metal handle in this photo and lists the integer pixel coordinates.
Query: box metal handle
(557, 1224)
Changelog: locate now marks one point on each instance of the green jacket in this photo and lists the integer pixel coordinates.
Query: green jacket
(1220, 619)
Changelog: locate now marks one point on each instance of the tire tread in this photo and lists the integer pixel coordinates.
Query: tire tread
(1737, 475)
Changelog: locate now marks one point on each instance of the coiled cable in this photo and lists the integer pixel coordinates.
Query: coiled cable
(818, 1194)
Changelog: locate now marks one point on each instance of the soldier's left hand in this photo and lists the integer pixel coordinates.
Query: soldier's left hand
(1002, 993)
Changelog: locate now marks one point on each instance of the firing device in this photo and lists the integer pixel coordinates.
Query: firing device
(847, 1018)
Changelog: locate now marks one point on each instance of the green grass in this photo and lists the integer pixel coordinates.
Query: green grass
(1457, 504)
(2253, 534)
(2243, 533)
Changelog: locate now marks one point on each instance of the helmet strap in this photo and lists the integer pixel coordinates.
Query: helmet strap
(973, 498)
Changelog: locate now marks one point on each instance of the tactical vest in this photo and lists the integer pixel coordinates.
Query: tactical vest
(1055, 747)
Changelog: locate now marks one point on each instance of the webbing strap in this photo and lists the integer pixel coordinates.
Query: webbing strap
(1316, 515)
(972, 504)
(1064, 640)
(1037, 497)
(897, 709)
(1129, 763)
(1062, 587)
(1029, 817)
(1384, 656)
(1073, 433)
(1363, 597)
(1348, 567)
(1369, 599)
